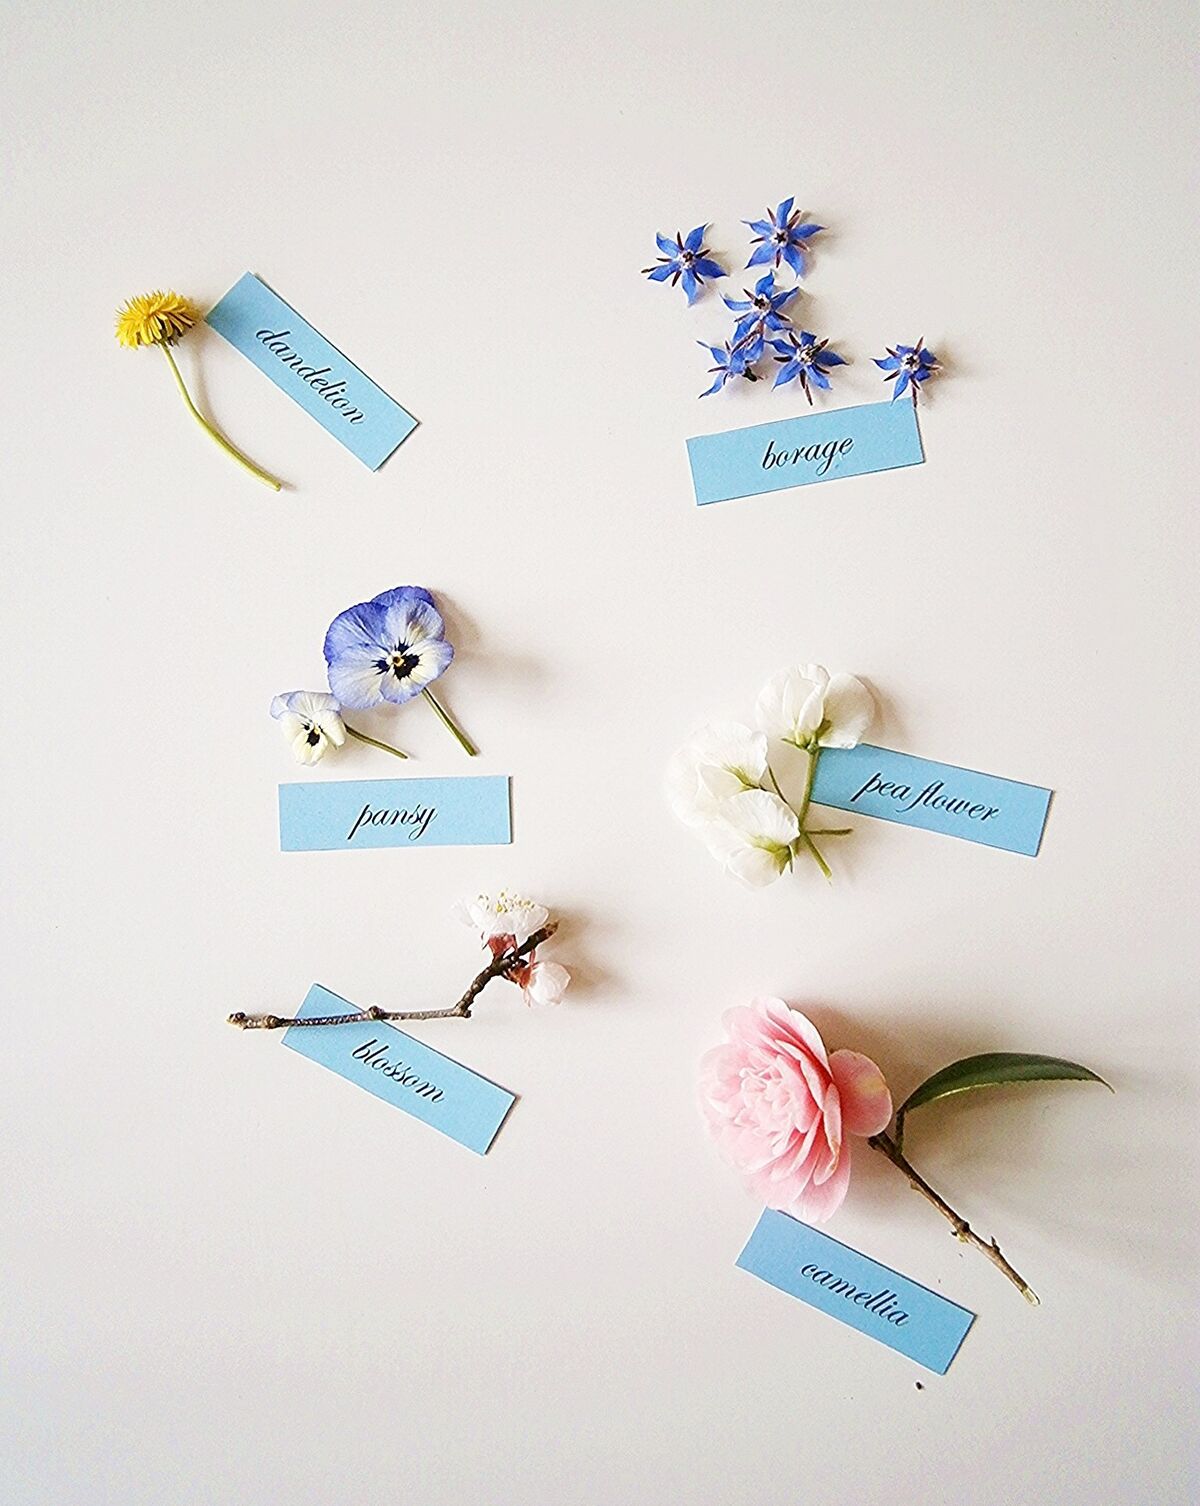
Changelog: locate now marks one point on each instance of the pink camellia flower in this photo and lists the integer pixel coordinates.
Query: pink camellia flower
(779, 1108)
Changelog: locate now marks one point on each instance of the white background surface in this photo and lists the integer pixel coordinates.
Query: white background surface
(231, 1278)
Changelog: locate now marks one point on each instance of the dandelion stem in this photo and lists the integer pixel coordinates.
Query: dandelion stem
(229, 449)
(448, 721)
(498, 967)
(886, 1146)
(374, 741)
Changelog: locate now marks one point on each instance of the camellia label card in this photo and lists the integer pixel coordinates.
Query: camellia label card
(936, 796)
(313, 373)
(856, 1290)
(402, 1071)
(799, 451)
(339, 815)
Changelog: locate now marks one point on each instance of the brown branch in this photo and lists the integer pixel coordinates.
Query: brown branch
(498, 967)
(962, 1230)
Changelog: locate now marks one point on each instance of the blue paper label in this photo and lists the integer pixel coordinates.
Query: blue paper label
(339, 815)
(799, 451)
(858, 1291)
(402, 1071)
(313, 373)
(936, 796)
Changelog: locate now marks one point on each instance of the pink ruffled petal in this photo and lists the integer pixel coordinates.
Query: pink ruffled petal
(798, 1025)
(815, 1204)
(866, 1101)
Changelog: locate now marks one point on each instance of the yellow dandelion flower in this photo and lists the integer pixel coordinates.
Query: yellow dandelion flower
(155, 319)
(160, 318)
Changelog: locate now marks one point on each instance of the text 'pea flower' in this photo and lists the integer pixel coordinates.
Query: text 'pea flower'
(507, 922)
(908, 364)
(685, 259)
(390, 648)
(781, 1108)
(782, 236)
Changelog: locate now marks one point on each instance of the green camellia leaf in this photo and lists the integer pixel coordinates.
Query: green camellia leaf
(992, 1069)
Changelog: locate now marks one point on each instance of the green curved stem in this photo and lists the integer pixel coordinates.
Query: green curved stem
(447, 721)
(375, 743)
(229, 449)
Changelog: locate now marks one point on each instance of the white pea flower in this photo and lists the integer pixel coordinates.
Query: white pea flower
(752, 835)
(808, 707)
(311, 722)
(723, 759)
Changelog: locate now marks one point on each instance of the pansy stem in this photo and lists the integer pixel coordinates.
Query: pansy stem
(448, 721)
(374, 741)
(229, 449)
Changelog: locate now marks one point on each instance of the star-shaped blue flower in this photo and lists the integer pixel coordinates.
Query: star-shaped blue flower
(781, 237)
(735, 360)
(763, 308)
(685, 260)
(908, 364)
(806, 357)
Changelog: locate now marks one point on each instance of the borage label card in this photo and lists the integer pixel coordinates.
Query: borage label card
(402, 1071)
(313, 373)
(338, 815)
(799, 451)
(858, 1291)
(935, 796)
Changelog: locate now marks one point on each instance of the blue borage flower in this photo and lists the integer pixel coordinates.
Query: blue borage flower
(762, 308)
(805, 357)
(908, 364)
(781, 237)
(736, 360)
(390, 648)
(686, 260)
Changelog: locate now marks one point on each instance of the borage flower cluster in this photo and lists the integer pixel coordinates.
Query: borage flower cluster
(722, 784)
(388, 649)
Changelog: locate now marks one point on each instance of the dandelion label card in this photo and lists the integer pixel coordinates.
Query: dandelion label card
(313, 373)
(402, 1071)
(346, 814)
(856, 1290)
(800, 451)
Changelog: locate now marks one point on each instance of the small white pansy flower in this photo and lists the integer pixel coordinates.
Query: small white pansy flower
(311, 722)
(808, 707)
(722, 759)
(752, 836)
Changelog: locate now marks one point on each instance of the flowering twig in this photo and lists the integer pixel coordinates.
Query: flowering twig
(498, 967)
(886, 1146)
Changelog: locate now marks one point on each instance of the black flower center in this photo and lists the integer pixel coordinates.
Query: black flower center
(312, 737)
(688, 258)
(402, 663)
(779, 237)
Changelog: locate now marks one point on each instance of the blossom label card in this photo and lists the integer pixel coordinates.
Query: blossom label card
(313, 373)
(798, 451)
(858, 1291)
(339, 815)
(402, 1071)
(935, 796)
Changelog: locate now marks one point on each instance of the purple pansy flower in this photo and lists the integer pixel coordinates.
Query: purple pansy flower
(686, 260)
(781, 237)
(908, 364)
(386, 649)
(762, 308)
(806, 357)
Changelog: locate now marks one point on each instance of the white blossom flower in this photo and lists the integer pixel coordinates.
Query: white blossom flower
(752, 835)
(723, 759)
(808, 707)
(508, 921)
(311, 722)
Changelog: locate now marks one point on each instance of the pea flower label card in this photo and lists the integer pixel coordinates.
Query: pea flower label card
(800, 451)
(935, 796)
(856, 1290)
(313, 373)
(345, 814)
(402, 1071)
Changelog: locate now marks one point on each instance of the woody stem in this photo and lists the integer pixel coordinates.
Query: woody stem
(886, 1146)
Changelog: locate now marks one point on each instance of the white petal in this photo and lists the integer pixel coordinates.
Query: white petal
(291, 725)
(732, 746)
(689, 802)
(307, 752)
(330, 724)
(313, 704)
(790, 705)
(755, 867)
(547, 983)
(524, 920)
(850, 709)
(762, 817)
